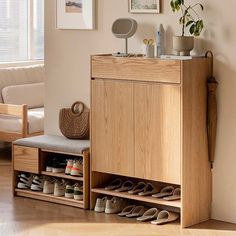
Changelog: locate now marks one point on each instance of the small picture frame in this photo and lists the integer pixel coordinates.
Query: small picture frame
(75, 14)
(144, 6)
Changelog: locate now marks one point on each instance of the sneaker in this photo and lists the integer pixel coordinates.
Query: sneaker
(48, 186)
(37, 183)
(69, 166)
(49, 165)
(59, 188)
(115, 205)
(69, 192)
(77, 169)
(58, 165)
(78, 192)
(25, 181)
(100, 204)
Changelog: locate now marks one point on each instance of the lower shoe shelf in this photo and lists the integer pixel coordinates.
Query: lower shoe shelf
(158, 201)
(49, 198)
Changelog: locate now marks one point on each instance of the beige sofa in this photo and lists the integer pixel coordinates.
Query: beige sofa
(21, 102)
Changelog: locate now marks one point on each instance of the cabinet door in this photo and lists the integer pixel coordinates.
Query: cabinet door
(112, 127)
(157, 132)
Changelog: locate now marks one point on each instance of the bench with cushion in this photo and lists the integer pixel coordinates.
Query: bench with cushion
(21, 102)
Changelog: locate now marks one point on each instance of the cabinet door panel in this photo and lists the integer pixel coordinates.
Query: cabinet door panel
(157, 132)
(112, 127)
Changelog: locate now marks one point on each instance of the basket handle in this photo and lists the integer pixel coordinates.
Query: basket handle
(77, 108)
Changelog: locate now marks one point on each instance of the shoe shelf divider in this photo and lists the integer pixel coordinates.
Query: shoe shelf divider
(32, 160)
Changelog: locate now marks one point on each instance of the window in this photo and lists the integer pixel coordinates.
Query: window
(21, 30)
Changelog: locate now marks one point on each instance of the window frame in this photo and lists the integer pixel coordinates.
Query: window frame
(30, 36)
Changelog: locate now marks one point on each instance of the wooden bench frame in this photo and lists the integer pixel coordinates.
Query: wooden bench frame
(20, 111)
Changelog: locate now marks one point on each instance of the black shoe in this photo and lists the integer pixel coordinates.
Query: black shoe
(49, 165)
(58, 165)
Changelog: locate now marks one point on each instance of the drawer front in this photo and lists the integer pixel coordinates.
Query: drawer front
(136, 69)
(26, 159)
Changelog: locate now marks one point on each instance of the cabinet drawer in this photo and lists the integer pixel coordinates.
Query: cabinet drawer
(136, 69)
(26, 159)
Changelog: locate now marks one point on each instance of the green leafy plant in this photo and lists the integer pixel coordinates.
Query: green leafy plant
(190, 18)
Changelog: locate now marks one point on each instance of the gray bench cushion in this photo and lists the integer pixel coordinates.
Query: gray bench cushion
(55, 143)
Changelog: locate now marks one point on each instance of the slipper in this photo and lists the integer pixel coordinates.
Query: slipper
(114, 184)
(137, 212)
(127, 210)
(138, 188)
(126, 186)
(176, 195)
(165, 217)
(165, 192)
(150, 214)
(148, 190)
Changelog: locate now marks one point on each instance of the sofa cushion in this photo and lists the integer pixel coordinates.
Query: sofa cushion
(29, 94)
(14, 124)
(21, 75)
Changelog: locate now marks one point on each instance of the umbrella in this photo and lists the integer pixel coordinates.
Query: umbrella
(212, 85)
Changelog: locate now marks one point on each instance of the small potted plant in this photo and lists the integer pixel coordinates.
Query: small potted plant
(189, 19)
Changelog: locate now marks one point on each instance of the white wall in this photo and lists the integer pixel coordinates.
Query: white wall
(68, 71)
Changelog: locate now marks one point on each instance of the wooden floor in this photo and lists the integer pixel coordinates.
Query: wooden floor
(25, 217)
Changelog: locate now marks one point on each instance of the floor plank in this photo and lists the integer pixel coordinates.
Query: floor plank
(26, 217)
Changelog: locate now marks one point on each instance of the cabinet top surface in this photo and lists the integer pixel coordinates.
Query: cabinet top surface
(142, 58)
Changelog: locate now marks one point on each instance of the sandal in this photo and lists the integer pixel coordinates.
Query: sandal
(150, 214)
(148, 190)
(165, 217)
(165, 192)
(116, 183)
(126, 186)
(138, 188)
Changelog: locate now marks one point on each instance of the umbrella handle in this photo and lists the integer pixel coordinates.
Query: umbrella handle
(210, 54)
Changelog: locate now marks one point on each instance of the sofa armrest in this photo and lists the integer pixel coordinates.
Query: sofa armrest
(20, 111)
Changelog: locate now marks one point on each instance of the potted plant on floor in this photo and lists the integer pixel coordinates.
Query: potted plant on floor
(189, 19)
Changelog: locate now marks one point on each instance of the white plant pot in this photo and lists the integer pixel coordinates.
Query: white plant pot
(183, 45)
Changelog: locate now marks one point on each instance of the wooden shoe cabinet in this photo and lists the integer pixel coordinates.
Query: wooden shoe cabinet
(148, 121)
(33, 160)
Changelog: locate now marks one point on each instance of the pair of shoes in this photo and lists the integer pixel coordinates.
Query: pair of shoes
(109, 206)
(154, 215)
(56, 164)
(132, 211)
(29, 181)
(158, 217)
(141, 188)
(169, 193)
(74, 191)
(74, 167)
(119, 186)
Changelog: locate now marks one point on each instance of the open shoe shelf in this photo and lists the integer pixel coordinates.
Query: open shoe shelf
(49, 198)
(148, 199)
(33, 160)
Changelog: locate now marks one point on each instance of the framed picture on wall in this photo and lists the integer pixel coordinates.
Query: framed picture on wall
(75, 14)
(144, 6)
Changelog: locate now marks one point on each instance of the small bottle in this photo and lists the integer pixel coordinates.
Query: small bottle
(160, 40)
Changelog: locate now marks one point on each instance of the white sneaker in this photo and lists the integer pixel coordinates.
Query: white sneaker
(59, 188)
(100, 204)
(69, 192)
(77, 169)
(25, 181)
(69, 167)
(37, 184)
(115, 205)
(48, 186)
(78, 192)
